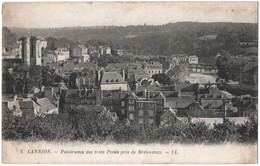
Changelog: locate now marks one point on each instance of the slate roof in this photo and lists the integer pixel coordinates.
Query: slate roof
(159, 96)
(112, 78)
(28, 104)
(153, 64)
(184, 101)
(82, 46)
(193, 56)
(154, 87)
(170, 102)
(185, 87)
(118, 65)
(215, 92)
(132, 96)
(87, 65)
(178, 102)
(214, 103)
(46, 105)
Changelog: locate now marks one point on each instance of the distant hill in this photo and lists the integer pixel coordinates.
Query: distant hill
(181, 37)
(9, 39)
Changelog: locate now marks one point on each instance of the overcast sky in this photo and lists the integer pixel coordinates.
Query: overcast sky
(49, 15)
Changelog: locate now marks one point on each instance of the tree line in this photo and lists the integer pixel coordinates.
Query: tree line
(23, 78)
(99, 127)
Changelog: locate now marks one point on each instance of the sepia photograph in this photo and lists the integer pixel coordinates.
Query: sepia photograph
(130, 82)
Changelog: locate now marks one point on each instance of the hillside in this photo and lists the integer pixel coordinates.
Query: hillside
(181, 37)
(9, 39)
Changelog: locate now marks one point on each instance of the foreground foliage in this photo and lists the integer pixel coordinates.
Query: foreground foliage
(94, 127)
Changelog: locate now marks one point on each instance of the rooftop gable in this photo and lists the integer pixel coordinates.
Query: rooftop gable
(46, 105)
(112, 78)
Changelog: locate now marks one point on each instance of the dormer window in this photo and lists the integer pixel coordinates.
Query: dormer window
(107, 81)
(112, 80)
(131, 101)
(117, 80)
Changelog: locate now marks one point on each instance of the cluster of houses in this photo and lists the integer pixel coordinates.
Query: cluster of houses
(80, 52)
(33, 51)
(145, 102)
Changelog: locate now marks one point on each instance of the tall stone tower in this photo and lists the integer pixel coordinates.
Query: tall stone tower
(25, 44)
(32, 50)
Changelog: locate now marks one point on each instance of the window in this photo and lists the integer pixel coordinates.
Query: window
(131, 116)
(159, 101)
(151, 113)
(81, 81)
(131, 108)
(131, 101)
(151, 121)
(141, 105)
(141, 113)
(159, 71)
(151, 105)
(122, 103)
(140, 121)
(123, 111)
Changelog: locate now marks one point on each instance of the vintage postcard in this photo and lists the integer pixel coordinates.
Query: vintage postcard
(129, 82)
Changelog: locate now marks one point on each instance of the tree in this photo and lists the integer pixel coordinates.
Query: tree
(35, 76)
(162, 79)
(47, 76)
(72, 79)
(10, 82)
(57, 78)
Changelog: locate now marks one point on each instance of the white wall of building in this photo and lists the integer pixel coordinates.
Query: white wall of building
(123, 87)
(193, 60)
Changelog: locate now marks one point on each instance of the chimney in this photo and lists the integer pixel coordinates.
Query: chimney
(148, 94)
(179, 92)
(86, 92)
(145, 93)
(42, 88)
(123, 74)
(99, 76)
(136, 86)
(15, 97)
